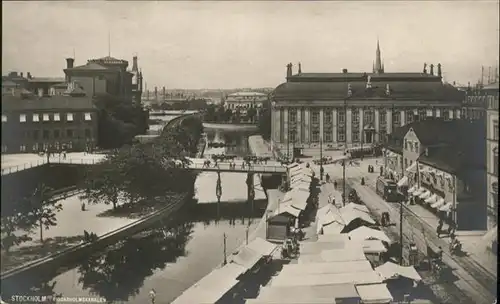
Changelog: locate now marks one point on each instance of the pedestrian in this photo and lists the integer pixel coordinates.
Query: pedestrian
(451, 228)
(152, 295)
(335, 184)
(439, 228)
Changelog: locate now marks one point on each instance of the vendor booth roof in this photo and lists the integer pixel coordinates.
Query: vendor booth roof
(212, 287)
(290, 301)
(357, 207)
(300, 293)
(333, 228)
(366, 233)
(318, 247)
(262, 246)
(349, 215)
(331, 216)
(292, 165)
(425, 195)
(418, 191)
(390, 271)
(247, 256)
(412, 168)
(333, 238)
(350, 253)
(403, 181)
(279, 219)
(368, 277)
(438, 203)
(319, 268)
(374, 294)
(304, 186)
(412, 189)
(373, 246)
(446, 207)
(287, 208)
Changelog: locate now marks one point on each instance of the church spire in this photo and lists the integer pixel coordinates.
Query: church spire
(378, 60)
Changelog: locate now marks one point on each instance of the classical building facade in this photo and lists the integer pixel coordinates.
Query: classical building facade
(491, 93)
(106, 75)
(31, 124)
(351, 109)
(242, 101)
(442, 163)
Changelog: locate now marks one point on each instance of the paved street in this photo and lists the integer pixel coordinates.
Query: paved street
(473, 278)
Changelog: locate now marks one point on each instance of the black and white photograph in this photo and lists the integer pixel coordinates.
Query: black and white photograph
(260, 152)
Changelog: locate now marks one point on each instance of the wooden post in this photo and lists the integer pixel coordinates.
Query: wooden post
(225, 255)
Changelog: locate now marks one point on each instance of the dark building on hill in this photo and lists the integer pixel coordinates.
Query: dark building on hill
(107, 75)
(15, 83)
(32, 123)
(351, 109)
(442, 164)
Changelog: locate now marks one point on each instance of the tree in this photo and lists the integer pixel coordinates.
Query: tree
(43, 208)
(264, 123)
(251, 113)
(15, 229)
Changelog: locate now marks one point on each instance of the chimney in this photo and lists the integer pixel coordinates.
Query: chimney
(28, 75)
(439, 69)
(21, 74)
(40, 92)
(425, 68)
(289, 70)
(344, 71)
(164, 93)
(156, 93)
(134, 64)
(69, 63)
(300, 68)
(432, 69)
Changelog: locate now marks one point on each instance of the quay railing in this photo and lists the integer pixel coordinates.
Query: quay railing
(226, 167)
(41, 162)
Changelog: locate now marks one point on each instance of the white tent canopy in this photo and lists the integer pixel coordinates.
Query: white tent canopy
(333, 228)
(446, 207)
(213, 286)
(368, 277)
(425, 194)
(390, 270)
(418, 191)
(432, 199)
(438, 203)
(412, 189)
(286, 207)
(366, 233)
(333, 267)
(350, 253)
(358, 207)
(349, 215)
(299, 294)
(374, 294)
(373, 246)
(403, 181)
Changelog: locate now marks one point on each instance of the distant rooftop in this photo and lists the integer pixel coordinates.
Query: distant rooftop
(47, 79)
(251, 94)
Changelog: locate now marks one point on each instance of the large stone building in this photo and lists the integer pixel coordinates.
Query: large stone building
(356, 108)
(242, 101)
(443, 164)
(107, 75)
(491, 91)
(32, 123)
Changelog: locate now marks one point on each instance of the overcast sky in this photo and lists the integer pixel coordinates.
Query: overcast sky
(248, 44)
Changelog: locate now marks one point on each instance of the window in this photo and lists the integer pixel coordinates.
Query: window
(57, 117)
(416, 147)
(36, 134)
(411, 146)
(22, 148)
(4, 118)
(35, 147)
(411, 162)
(406, 144)
(328, 136)
(69, 116)
(446, 114)
(406, 163)
(4, 148)
(57, 133)
(328, 116)
(495, 162)
(22, 118)
(422, 114)
(45, 146)
(69, 133)
(57, 146)
(315, 136)
(36, 118)
(46, 117)
(291, 132)
(355, 136)
(382, 117)
(341, 116)
(315, 117)
(45, 134)
(495, 130)
(70, 145)
(396, 118)
(355, 116)
(429, 113)
(341, 134)
(368, 117)
(292, 116)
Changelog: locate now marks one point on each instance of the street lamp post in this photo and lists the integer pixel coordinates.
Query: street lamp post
(321, 170)
(349, 93)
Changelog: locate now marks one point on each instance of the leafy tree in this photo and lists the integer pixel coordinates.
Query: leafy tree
(15, 231)
(237, 116)
(43, 209)
(251, 113)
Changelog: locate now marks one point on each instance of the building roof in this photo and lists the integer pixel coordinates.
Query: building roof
(108, 60)
(13, 103)
(399, 88)
(9, 83)
(452, 146)
(492, 86)
(250, 94)
(62, 85)
(47, 79)
(91, 66)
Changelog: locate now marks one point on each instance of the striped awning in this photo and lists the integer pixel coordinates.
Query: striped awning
(425, 195)
(418, 192)
(439, 203)
(412, 189)
(446, 207)
(432, 199)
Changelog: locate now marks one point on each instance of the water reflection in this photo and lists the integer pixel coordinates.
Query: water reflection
(237, 141)
(120, 272)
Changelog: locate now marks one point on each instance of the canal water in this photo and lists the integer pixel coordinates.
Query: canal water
(169, 257)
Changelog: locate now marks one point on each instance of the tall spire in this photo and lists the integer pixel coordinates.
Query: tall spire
(378, 60)
(109, 43)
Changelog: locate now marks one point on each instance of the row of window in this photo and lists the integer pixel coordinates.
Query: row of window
(36, 147)
(411, 146)
(49, 117)
(46, 134)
